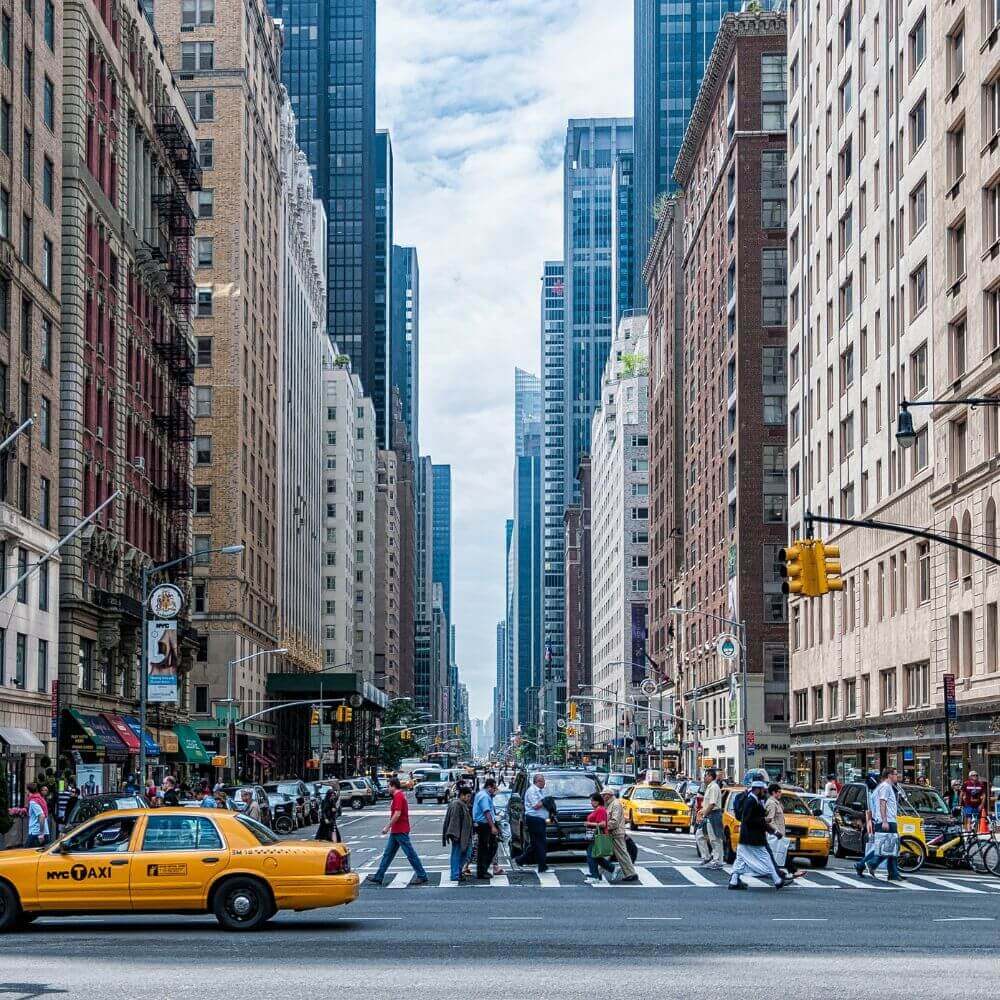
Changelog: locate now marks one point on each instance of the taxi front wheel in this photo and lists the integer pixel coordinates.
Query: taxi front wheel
(242, 904)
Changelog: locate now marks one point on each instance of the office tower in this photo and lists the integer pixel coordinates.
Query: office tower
(527, 411)
(405, 360)
(379, 386)
(424, 549)
(732, 403)
(579, 662)
(304, 346)
(673, 41)
(126, 362)
(239, 462)
(388, 558)
(592, 145)
(329, 70)
(623, 262)
(619, 560)
(442, 535)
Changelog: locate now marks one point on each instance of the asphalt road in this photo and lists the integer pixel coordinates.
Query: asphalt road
(671, 936)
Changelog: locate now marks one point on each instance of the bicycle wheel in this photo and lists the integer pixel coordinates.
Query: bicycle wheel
(975, 853)
(991, 857)
(912, 855)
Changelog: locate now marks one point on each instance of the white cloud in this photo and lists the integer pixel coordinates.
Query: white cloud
(476, 94)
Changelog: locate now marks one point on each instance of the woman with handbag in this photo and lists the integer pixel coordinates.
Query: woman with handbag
(600, 849)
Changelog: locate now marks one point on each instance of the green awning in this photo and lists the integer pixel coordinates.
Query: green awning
(192, 749)
(81, 720)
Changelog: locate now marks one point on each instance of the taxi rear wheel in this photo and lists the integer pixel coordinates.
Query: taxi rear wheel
(10, 908)
(242, 904)
(632, 825)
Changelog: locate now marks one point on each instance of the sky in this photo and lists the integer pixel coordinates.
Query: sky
(476, 95)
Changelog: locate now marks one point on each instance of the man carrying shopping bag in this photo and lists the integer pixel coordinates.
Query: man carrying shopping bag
(616, 828)
(884, 812)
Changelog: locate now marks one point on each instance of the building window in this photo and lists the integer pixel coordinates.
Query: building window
(773, 189)
(203, 302)
(918, 44)
(49, 25)
(204, 351)
(956, 55)
(920, 451)
(206, 203)
(887, 690)
(203, 450)
(201, 104)
(27, 240)
(45, 422)
(43, 665)
(47, 263)
(774, 286)
(28, 157)
(202, 544)
(918, 684)
(201, 699)
(6, 128)
(195, 13)
(203, 498)
(28, 73)
(20, 660)
(22, 569)
(918, 370)
(197, 56)
(48, 184)
(918, 290)
(206, 251)
(49, 104)
(918, 125)
(958, 436)
(773, 77)
(203, 401)
(956, 252)
(206, 154)
(918, 208)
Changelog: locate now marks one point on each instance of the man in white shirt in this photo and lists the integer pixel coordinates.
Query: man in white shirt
(885, 808)
(535, 818)
(711, 816)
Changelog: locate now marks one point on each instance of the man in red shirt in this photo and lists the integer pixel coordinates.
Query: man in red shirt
(973, 799)
(398, 829)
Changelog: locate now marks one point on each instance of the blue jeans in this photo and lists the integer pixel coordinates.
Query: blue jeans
(596, 864)
(873, 860)
(459, 859)
(399, 842)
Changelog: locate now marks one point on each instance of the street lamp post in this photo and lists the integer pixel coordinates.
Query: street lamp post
(906, 434)
(147, 572)
(231, 666)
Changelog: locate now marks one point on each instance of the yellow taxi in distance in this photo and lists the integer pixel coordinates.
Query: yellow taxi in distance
(174, 861)
(650, 804)
(810, 836)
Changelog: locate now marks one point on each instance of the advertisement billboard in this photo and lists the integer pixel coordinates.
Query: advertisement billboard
(163, 654)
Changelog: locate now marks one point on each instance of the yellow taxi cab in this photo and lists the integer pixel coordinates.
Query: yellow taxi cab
(179, 860)
(650, 804)
(810, 836)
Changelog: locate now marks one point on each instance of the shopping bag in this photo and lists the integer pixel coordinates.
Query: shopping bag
(779, 849)
(886, 844)
(633, 851)
(604, 846)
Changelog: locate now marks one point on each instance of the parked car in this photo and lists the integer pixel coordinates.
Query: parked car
(357, 792)
(570, 792)
(820, 806)
(296, 790)
(196, 804)
(932, 810)
(259, 796)
(382, 789)
(616, 781)
(283, 812)
(89, 806)
(436, 785)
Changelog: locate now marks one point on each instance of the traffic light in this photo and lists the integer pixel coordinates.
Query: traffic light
(828, 565)
(405, 735)
(457, 730)
(574, 711)
(799, 568)
(314, 719)
(344, 713)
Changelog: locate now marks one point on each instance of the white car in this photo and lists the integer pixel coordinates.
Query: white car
(820, 806)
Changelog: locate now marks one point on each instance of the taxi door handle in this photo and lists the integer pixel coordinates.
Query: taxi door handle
(209, 861)
(119, 861)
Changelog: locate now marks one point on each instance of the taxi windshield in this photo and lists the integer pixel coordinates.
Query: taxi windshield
(925, 800)
(657, 794)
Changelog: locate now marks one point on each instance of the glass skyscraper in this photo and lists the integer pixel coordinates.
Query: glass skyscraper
(673, 40)
(624, 263)
(329, 70)
(380, 387)
(405, 347)
(441, 559)
(592, 148)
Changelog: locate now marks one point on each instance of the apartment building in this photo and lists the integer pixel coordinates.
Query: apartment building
(228, 60)
(619, 555)
(304, 345)
(350, 471)
(30, 260)
(731, 404)
(388, 576)
(126, 362)
(868, 286)
(577, 590)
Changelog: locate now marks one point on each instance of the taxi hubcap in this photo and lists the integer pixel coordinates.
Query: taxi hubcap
(241, 905)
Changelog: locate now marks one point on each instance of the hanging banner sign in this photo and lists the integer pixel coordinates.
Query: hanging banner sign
(163, 653)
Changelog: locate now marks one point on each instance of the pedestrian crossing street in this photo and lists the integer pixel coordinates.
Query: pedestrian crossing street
(658, 876)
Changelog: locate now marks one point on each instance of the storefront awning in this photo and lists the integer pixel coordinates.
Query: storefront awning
(20, 740)
(152, 747)
(124, 733)
(263, 761)
(93, 734)
(191, 747)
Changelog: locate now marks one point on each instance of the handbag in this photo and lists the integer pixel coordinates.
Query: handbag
(887, 844)
(604, 846)
(779, 849)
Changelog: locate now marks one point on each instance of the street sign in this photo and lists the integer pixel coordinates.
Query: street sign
(561, 723)
(648, 687)
(727, 647)
(950, 704)
(751, 741)
(219, 760)
(166, 600)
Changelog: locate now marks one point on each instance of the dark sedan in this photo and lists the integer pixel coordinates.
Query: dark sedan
(570, 792)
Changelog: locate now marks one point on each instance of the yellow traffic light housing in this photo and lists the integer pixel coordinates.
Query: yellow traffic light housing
(573, 711)
(828, 564)
(314, 718)
(800, 568)
(348, 713)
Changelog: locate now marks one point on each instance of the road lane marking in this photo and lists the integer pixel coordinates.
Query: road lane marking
(961, 920)
(515, 918)
(694, 876)
(501, 881)
(548, 880)
(351, 920)
(807, 883)
(654, 918)
(799, 920)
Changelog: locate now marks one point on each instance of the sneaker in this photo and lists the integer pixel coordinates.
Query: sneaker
(372, 880)
(783, 883)
(715, 865)
(737, 885)
(859, 870)
(593, 879)
(420, 881)
(705, 862)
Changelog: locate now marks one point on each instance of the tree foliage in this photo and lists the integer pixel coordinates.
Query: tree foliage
(393, 747)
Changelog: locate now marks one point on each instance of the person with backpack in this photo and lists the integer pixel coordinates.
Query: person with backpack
(752, 854)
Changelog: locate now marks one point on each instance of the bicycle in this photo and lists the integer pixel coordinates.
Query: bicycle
(969, 848)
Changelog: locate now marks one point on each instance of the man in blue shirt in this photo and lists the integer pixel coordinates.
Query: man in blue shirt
(484, 820)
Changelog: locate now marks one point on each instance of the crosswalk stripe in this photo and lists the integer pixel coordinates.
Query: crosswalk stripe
(854, 883)
(499, 881)
(808, 883)
(947, 883)
(646, 877)
(548, 880)
(694, 876)
(400, 881)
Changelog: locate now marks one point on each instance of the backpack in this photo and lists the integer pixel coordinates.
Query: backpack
(738, 803)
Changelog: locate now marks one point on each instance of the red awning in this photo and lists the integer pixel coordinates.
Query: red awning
(259, 759)
(124, 731)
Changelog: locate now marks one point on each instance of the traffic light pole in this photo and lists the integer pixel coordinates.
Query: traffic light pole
(903, 529)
